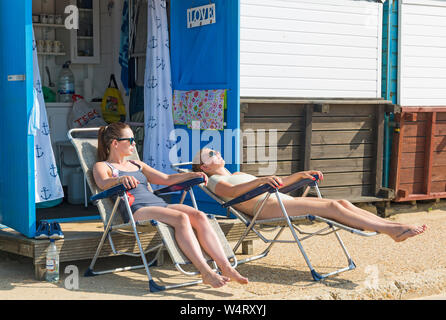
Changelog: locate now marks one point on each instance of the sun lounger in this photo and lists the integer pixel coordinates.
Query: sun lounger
(86, 148)
(278, 225)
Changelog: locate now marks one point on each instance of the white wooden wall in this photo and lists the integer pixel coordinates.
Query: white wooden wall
(422, 53)
(310, 48)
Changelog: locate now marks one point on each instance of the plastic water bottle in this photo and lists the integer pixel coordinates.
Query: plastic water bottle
(52, 263)
(65, 89)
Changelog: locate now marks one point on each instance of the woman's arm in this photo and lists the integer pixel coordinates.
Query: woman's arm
(103, 176)
(295, 177)
(225, 189)
(158, 177)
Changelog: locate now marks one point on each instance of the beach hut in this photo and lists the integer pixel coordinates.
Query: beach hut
(418, 85)
(308, 70)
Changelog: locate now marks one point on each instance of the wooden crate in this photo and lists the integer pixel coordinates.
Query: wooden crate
(342, 138)
(418, 164)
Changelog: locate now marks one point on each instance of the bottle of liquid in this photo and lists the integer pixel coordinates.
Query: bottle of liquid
(52, 263)
(65, 88)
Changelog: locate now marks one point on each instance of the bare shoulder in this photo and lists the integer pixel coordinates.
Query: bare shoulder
(102, 167)
(141, 163)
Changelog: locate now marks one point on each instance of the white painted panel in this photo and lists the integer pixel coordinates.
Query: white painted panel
(307, 72)
(305, 48)
(292, 36)
(422, 53)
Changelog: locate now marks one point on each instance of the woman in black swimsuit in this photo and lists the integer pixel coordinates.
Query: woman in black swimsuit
(115, 143)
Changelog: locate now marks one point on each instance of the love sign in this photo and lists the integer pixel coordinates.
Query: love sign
(200, 16)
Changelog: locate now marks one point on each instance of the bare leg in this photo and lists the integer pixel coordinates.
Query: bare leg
(185, 238)
(209, 241)
(347, 204)
(405, 234)
(334, 210)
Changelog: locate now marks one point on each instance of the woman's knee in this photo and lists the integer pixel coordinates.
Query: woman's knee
(181, 220)
(336, 206)
(345, 203)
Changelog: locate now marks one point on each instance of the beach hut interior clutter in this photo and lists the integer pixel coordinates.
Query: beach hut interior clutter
(86, 34)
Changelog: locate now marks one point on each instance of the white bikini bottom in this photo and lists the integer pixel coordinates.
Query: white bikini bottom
(283, 196)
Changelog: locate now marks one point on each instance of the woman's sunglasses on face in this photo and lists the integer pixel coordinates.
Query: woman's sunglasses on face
(131, 140)
(213, 153)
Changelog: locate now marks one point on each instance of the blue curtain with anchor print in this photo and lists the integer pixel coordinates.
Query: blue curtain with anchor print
(158, 119)
(47, 183)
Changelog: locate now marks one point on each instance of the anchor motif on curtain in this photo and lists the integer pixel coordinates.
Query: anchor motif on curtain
(39, 153)
(154, 42)
(38, 86)
(43, 193)
(153, 83)
(160, 63)
(53, 171)
(152, 123)
(169, 144)
(151, 161)
(165, 103)
(45, 129)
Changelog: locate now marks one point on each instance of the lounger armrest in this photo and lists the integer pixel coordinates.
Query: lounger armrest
(299, 184)
(249, 195)
(119, 189)
(267, 188)
(185, 185)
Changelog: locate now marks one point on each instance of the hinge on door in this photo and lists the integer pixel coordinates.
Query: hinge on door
(17, 77)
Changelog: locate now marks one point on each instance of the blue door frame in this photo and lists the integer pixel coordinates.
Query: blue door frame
(17, 197)
(204, 58)
(210, 63)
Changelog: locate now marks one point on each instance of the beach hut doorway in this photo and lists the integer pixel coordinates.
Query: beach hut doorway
(16, 99)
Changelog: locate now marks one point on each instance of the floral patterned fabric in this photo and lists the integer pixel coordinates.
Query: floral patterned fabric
(206, 106)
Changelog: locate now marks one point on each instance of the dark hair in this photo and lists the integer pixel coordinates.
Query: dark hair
(106, 135)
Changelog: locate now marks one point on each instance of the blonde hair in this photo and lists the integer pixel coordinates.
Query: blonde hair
(196, 162)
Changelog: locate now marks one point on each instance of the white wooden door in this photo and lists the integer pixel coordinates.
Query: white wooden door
(301, 48)
(422, 53)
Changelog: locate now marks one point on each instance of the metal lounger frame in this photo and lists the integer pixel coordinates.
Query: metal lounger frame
(131, 228)
(286, 222)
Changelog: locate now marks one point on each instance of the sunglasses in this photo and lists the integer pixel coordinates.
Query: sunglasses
(131, 140)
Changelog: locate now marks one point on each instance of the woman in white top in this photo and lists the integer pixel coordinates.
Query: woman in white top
(231, 185)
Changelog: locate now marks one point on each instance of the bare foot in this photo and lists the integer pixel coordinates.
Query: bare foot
(404, 232)
(234, 275)
(214, 280)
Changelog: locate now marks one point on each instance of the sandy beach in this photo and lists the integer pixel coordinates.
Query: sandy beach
(411, 269)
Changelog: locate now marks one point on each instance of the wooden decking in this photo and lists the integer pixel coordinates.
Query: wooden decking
(82, 239)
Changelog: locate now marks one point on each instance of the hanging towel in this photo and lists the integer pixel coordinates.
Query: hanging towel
(124, 47)
(47, 182)
(158, 119)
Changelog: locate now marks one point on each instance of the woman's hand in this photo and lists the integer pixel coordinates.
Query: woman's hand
(273, 181)
(310, 173)
(200, 175)
(129, 182)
